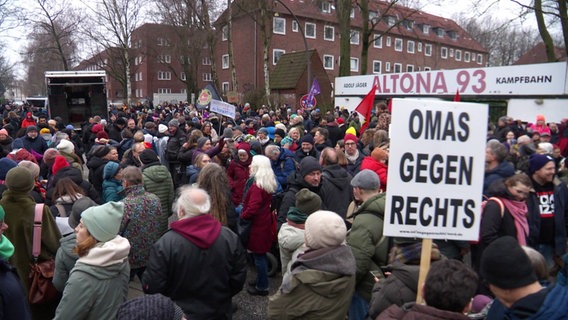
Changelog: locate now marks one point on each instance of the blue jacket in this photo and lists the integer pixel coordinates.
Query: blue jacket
(504, 170)
(560, 217)
(284, 166)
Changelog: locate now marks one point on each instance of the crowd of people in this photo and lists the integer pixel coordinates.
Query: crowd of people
(182, 198)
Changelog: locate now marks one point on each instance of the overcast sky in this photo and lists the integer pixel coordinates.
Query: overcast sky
(16, 39)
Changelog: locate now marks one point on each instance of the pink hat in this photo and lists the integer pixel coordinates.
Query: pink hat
(539, 117)
(4, 131)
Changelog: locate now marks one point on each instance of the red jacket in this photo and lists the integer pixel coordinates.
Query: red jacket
(256, 208)
(238, 174)
(380, 169)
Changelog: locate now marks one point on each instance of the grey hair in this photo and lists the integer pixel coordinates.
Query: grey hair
(191, 201)
(497, 149)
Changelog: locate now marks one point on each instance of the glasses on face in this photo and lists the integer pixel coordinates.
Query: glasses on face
(350, 143)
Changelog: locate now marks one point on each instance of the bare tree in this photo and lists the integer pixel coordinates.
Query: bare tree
(343, 11)
(6, 75)
(110, 27)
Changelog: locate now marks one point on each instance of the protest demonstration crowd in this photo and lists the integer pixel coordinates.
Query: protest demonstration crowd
(184, 200)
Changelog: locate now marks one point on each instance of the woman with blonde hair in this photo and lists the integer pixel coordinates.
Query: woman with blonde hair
(214, 180)
(256, 210)
(98, 284)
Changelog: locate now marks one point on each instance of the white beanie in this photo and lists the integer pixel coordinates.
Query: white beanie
(66, 146)
(324, 229)
(162, 128)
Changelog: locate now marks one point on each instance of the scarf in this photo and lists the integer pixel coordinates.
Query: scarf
(6, 248)
(518, 209)
(354, 157)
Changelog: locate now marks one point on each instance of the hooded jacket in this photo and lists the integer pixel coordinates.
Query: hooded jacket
(398, 289)
(200, 265)
(98, 284)
(295, 183)
(336, 190)
(157, 180)
(96, 167)
(319, 286)
(504, 170)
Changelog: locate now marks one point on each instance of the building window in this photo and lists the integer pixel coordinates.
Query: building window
(376, 66)
(397, 44)
(325, 7)
(419, 47)
(294, 26)
(140, 76)
(184, 91)
(225, 86)
(378, 41)
(373, 16)
(390, 20)
(466, 56)
(328, 62)
(458, 55)
(310, 29)
(354, 39)
(164, 90)
(410, 46)
(163, 42)
(225, 61)
(388, 41)
(136, 77)
(409, 68)
(408, 24)
(427, 69)
(276, 54)
(451, 53)
(397, 68)
(444, 53)
(207, 77)
(354, 64)
(206, 61)
(328, 33)
(164, 75)
(425, 28)
(182, 76)
(428, 49)
(479, 58)
(225, 33)
(387, 66)
(453, 35)
(279, 25)
(352, 13)
(164, 59)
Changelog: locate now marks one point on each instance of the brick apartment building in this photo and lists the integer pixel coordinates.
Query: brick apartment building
(406, 40)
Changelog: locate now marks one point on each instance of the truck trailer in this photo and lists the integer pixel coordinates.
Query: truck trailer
(76, 95)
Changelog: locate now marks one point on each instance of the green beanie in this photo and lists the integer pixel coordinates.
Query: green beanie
(103, 222)
(6, 247)
(19, 179)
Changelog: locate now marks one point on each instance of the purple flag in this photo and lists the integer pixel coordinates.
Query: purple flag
(314, 91)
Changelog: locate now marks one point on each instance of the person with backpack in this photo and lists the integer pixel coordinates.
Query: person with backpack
(503, 214)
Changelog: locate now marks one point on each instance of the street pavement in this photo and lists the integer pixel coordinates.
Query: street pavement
(249, 307)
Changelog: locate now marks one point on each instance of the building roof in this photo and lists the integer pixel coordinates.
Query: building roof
(538, 55)
(289, 70)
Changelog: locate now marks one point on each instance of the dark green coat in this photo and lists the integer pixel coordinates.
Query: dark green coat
(157, 180)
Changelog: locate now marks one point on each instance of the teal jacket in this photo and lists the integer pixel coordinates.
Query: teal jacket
(367, 243)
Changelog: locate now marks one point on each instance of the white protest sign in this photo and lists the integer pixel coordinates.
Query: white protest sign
(436, 169)
(223, 108)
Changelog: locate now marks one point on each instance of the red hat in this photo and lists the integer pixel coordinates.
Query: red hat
(349, 137)
(340, 121)
(59, 163)
(102, 135)
(97, 128)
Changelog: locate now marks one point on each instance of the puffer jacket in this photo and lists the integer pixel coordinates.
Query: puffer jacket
(397, 289)
(365, 241)
(157, 180)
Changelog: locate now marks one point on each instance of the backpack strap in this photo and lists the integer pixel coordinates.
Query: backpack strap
(36, 244)
(501, 205)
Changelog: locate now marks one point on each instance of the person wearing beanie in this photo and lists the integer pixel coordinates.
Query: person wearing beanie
(98, 283)
(33, 142)
(364, 237)
(157, 180)
(38, 193)
(194, 241)
(14, 304)
(508, 270)
(5, 143)
(354, 155)
(19, 210)
(306, 148)
(112, 182)
(291, 234)
(101, 155)
(321, 280)
(279, 134)
(150, 307)
(540, 125)
(66, 148)
(66, 257)
(377, 162)
(308, 175)
(28, 121)
(547, 209)
(5, 166)
(59, 163)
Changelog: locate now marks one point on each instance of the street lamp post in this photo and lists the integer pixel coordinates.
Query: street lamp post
(305, 42)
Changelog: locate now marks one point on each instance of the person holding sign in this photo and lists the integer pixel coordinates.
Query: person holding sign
(365, 238)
